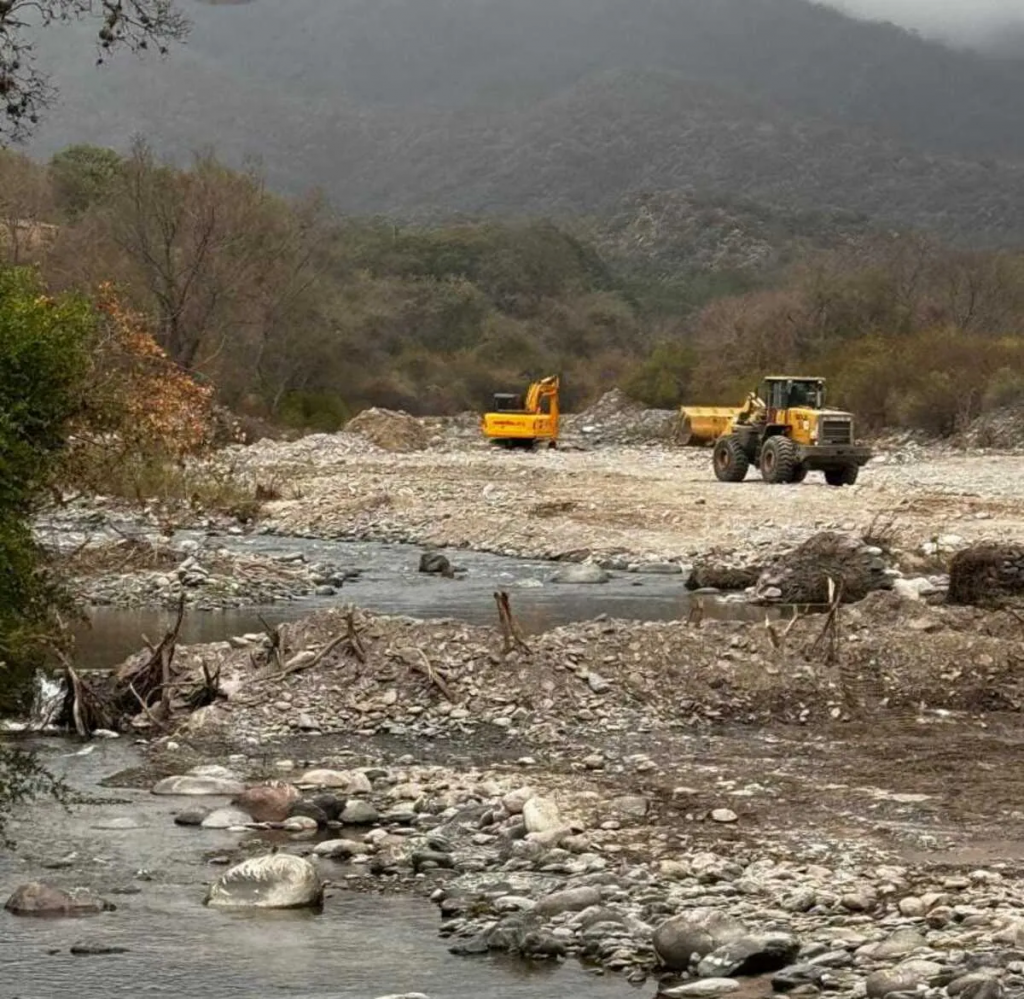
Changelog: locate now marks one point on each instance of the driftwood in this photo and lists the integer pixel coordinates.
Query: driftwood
(426, 667)
(830, 636)
(85, 709)
(511, 633)
(307, 659)
(145, 685)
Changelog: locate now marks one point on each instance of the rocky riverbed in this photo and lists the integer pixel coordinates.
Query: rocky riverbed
(788, 803)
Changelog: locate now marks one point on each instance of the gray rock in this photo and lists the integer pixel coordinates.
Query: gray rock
(308, 810)
(581, 575)
(754, 954)
(118, 824)
(969, 985)
(797, 976)
(338, 849)
(694, 933)
(630, 806)
(90, 948)
(191, 816)
(899, 943)
(429, 859)
(273, 881)
(568, 900)
(905, 977)
(706, 987)
(724, 815)
(38, 899)
(300, 824)
(359, 813)
(542, 943)
(598, 684)
(226, 818)
(196, 784)
(661, 568)
(329, 804)
(513, 801)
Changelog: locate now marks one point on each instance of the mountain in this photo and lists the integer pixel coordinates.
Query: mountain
(426, 107)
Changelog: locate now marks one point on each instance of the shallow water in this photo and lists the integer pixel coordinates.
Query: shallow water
(359, 947)
(391, 584)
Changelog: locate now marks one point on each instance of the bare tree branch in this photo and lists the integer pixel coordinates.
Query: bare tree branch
(26, 92)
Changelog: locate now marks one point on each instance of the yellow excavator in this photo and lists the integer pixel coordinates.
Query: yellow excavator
(523, 422)
(786, 431)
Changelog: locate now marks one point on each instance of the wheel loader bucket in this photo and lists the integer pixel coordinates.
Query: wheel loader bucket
(701, 426)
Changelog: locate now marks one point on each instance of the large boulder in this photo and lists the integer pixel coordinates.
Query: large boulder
(694, 934)
(273, 881)
(267, 802)
(196, 784)
(38, 899)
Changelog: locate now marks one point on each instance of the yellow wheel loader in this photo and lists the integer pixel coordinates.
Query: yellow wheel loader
(522, 422)
(786, 432)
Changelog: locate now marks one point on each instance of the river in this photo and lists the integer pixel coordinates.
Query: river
(389, 583)
(359, 947)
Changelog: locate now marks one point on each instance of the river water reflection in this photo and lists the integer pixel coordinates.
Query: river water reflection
(359, 947)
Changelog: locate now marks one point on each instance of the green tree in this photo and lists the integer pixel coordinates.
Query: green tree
(83, 176)
(44, 344)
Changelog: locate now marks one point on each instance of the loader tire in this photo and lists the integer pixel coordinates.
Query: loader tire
(842, 476)
(799, 473)
(730, 460)
(778, 461)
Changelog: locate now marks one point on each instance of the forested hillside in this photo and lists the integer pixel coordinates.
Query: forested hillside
(553, 107)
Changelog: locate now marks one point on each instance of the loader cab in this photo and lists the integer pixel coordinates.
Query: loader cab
(507, 402)
(781, 393)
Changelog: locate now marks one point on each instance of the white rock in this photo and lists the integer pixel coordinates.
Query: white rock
(273, 881)
(541, 815)
(226, 818)
(189, 784)
(513, 801)
(724, 815)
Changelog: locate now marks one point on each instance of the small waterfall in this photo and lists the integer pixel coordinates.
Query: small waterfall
(47, 703)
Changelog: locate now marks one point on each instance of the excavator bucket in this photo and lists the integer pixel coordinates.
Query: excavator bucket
(701, 426)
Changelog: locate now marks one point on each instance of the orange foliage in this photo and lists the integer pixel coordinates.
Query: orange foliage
(141, 395)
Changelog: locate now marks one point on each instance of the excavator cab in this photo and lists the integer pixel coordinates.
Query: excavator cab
(507, 402)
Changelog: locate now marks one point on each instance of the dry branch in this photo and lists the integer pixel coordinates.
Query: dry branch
(511, 633)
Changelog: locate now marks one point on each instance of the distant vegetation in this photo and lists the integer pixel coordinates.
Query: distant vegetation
(298, 317)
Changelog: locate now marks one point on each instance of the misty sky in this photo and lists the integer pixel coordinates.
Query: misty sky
(956, 19)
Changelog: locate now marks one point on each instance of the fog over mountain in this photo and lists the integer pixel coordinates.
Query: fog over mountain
(968, 22)
(562, 107)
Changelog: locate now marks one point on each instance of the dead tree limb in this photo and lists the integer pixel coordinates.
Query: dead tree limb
(426, 667)
(829, 633)
(511, 633)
